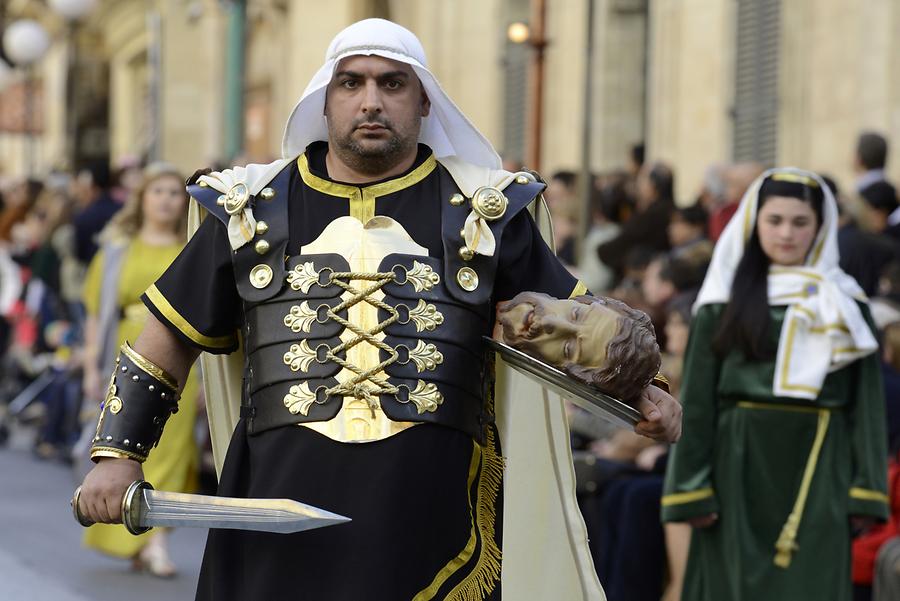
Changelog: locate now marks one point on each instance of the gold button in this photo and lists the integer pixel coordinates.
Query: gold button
(524, 177)
(457, 199)
(260, 276)
(115, 404)
(262, 227)
(465, 253)
(236, 198)
(489, 203)
(267, 193)
(462, 233)
(262, 247)
(467, 279)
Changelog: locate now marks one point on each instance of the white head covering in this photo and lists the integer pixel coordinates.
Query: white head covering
(445, 130)
(823, 329)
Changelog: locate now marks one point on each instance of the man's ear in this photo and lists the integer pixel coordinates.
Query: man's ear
(426, 103)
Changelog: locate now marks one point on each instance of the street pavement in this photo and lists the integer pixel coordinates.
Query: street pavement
(41, 557)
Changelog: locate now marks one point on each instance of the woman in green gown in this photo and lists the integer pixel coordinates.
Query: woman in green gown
(140, 242)
(784, 446)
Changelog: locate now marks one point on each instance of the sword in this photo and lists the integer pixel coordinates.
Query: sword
(143, 508)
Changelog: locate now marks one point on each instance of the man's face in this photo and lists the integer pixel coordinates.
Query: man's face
(558, 331)
(374, 107)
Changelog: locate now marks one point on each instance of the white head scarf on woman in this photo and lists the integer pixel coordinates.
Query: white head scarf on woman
(446, 130)
(824, 328)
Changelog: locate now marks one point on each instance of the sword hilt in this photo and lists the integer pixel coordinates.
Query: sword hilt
(131, 507)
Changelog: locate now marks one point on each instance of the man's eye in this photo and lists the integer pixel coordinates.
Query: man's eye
(348, 83)
(393, 85)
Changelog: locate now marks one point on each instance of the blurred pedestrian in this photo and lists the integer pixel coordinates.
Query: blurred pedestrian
(607, 204)
(137, 246)
(785, 440)
(96, 206)
(737, 178)
(647, 226)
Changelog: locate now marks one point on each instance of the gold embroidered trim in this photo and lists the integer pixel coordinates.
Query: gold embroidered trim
(785, 369)
(483, 578)
(115, 453)
(362, 197)
(680, 498)
(865, 494)
(578, 290)
(460, 560)
(786, 544)
(149, 367)
(780, 407)
(795, 178)
(174, 317)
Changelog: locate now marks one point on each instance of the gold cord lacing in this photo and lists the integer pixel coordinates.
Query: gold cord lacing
(366, 384)
(357, 386)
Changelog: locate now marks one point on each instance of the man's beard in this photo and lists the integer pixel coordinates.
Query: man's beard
(370, 161)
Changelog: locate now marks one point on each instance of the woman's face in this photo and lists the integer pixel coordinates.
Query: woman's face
(164, 200)
(786, 227)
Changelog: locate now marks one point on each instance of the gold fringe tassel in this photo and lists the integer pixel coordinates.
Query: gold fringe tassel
(483, 578)
(787, 540)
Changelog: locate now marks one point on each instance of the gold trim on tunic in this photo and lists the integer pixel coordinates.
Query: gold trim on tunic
(578, 290)
(865, 494)
(681, 498)
(176, 319)
(362, 197)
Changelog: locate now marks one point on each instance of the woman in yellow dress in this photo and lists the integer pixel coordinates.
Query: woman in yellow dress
(137, 246)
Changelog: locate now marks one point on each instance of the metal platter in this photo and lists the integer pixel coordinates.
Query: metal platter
(587, 397)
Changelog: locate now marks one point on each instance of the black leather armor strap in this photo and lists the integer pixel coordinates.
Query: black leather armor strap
(139, 400)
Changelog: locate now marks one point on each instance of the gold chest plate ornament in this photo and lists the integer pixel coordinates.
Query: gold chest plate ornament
(362, 378)
(489, 203)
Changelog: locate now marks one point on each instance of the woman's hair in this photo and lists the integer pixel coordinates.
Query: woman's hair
(128, 221)
(745, 321)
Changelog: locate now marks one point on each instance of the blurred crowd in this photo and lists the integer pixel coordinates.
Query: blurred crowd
(642, 245)
(50, 232)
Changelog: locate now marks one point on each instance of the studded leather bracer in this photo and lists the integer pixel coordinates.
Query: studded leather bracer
(139, 400)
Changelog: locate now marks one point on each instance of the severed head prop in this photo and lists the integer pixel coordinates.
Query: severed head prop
(599, 341)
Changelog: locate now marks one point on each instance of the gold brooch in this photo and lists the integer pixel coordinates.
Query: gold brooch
(489, 203)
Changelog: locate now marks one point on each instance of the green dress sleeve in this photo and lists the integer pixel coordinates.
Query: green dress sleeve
(688, 488)
(868, 489)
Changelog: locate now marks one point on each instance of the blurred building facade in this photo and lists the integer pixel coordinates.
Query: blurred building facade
(700, 81)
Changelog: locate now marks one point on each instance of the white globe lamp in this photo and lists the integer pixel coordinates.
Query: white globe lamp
(73, 9)
(25, 42)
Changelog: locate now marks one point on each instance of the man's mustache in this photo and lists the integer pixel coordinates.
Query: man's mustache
(377, 121)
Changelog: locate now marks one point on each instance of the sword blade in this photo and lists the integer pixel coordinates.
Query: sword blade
(162, 508)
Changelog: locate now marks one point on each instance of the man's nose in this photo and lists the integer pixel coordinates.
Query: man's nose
(372, 98)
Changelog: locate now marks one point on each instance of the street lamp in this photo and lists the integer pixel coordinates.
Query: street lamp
(533, 35)
(25, 42)
(72, 10)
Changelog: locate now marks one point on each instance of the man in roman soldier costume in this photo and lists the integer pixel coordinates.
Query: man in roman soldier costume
(357, 277)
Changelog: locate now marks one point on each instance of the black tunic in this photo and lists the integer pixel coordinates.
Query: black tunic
(426, 503)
